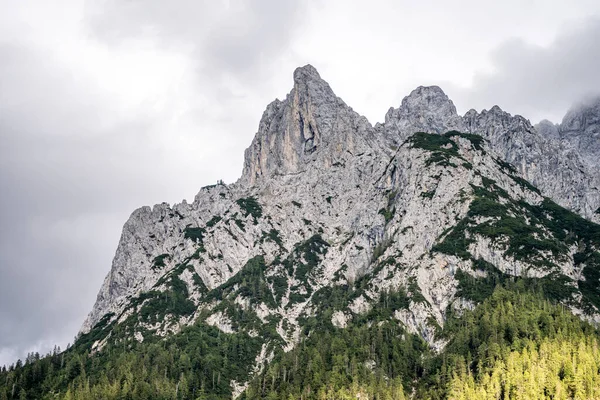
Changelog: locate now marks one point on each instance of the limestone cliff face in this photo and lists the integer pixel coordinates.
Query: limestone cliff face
(325, 199)
(311, 124)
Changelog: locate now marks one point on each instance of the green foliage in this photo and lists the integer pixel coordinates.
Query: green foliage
(516, 342)
(296, 204)
(492, 352)
(389, 210)
(456, 242)
(387, 214)
(434, 143)
(441, 147)
(477, 141)
(376, 360)
(280, 286)
(525, 184)
(555, 287)
(240, 224)
(306, 257)
(521, 228)
(159, 261)
(194, 234)
(484, 341)
(428, 195)
(213, 221)
(539, 235)
(302, 264)
(273, 236)
(590, 287)
(415, 291)
(250, 206)
(198, 362)
(514, 174)
(98, 332)
(156, 304)
(380, 248)
(250, 282)
(506, 166)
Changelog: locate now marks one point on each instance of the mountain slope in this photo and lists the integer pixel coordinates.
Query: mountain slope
(339, 231)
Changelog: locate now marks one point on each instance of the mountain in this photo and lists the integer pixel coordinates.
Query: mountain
(580, 128)
(353, 260)
(553, 165)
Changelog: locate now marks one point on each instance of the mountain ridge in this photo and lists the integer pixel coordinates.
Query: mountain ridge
(312, 126)
(352, 260)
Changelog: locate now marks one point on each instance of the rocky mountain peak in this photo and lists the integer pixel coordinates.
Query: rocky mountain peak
(429, 96)
(548, 129)
(581, 129)
(305, 74)
(313, 152)
(582, 116)
(494, 123)
(292, 133)
(425, 109)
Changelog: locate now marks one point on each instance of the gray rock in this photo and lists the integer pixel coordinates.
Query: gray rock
(581, 128)
(426, 109)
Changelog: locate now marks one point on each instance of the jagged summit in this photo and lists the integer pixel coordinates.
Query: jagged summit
(428, 97)
(580, 128)
(582, 114)
(426, 109)
(312, 123)
(548, 129)
(305, 73)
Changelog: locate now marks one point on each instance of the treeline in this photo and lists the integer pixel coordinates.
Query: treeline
(514, 345)
(197, 363)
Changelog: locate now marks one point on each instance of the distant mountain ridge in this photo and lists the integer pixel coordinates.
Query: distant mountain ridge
(580, 128)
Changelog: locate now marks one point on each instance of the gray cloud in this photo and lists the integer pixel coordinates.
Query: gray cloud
(226, 38)
(538, 82)
(61, 186)
(75, 161)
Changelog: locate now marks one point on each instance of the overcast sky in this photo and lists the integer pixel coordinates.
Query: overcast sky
(106, 106)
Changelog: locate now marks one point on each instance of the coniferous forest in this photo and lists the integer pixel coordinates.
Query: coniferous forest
(516, 344)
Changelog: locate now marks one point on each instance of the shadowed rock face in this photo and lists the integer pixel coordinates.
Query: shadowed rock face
(325, 198)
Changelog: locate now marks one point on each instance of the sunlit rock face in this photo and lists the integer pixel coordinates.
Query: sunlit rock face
(325, 199)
